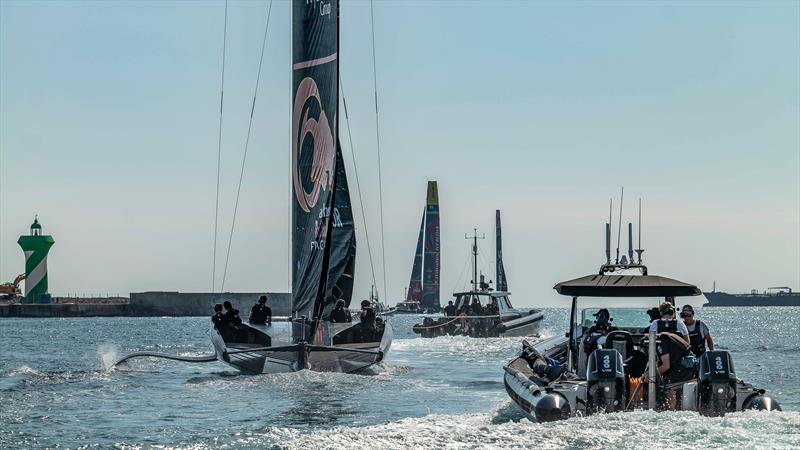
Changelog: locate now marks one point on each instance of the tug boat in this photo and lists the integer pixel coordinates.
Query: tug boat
(555, 379)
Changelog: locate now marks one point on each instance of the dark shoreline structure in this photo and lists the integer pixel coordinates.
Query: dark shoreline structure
(147, 304)
(781, 296)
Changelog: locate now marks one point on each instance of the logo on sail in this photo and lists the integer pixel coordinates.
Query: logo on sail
(320, 175)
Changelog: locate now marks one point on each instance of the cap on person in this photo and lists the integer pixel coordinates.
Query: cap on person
(666, 309)
(602, 312)
(217, 307)
(262, 299)
(687, 311)
(365, 303)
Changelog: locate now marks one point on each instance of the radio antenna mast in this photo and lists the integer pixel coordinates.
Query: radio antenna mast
(619, 226)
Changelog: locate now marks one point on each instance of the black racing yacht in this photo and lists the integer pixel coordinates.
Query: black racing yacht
(323, 233)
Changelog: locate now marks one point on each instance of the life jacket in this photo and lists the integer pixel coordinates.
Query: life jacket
(218, 319)
(667, 326)
(697, 340)
(258, 314)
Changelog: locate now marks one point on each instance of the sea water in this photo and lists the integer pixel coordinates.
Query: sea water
(57, 390)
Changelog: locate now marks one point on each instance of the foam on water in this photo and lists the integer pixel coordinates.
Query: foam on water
(636, 430)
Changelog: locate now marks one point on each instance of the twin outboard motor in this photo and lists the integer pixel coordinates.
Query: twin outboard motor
(605, 374)
(717, 386)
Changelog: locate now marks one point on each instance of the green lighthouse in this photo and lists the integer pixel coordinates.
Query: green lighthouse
(35, 247)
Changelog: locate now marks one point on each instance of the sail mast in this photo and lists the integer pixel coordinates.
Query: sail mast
(500, 271)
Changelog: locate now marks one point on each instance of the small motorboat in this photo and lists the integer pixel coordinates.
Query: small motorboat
(616, 369)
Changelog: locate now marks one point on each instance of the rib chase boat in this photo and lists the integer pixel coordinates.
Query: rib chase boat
(556, 379)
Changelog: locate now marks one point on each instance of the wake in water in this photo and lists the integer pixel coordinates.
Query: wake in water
(636, 430)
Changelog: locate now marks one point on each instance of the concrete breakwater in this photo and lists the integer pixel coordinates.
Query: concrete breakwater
(149, 304)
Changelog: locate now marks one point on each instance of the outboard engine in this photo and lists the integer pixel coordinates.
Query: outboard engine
(717, 386)
(551, 407)
(605, 374)
(761, 402)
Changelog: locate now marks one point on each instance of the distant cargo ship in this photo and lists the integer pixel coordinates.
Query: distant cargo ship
(774, 296)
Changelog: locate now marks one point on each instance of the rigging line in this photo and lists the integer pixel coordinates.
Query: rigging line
(246, 145)
(378, 139)
(358, 184)
(219, 149)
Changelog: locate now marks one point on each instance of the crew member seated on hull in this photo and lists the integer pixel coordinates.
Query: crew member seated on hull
(340, 314)
(699, 336)
(218, 318)
(231, 314)
(547, 369)
(595, 335)
(261, 314)
(675, 362)
(668, 323)
(367, 321)
(450, 309)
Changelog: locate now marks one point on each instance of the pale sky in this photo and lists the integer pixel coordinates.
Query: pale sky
(108, 131)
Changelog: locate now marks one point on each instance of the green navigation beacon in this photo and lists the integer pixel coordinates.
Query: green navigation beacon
(35, 247)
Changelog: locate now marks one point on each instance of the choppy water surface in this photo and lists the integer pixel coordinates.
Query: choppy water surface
(56, 391)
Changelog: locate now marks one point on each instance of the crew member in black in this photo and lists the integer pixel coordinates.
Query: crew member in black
(602, 326)
(699, 335)
(367, 321)
(450, 309)
(340, 314)
(675, 359)
(218, 318)
(231, 314)
(261, 313)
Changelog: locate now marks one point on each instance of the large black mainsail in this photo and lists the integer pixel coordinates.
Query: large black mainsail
(430, 283)
(341, 267)
(315, 44)
(414, 293)
(500, 275)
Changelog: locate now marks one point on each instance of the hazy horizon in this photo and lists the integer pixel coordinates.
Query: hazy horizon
(108, 131)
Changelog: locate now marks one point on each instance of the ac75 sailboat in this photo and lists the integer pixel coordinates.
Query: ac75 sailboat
(422, 295)
(323, 233)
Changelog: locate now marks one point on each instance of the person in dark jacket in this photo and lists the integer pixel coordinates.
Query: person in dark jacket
(367, 321)
(261, 314)
(231, 314)
(218, 318)
(699, 336)
(340, 314)
(450, 309)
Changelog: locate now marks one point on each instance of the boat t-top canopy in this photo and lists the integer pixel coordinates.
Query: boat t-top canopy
(489, 293)
(625, 286)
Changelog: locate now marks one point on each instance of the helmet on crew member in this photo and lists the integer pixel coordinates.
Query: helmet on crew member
(365, 303)
(217, 307)
(340, 302)
(603, 317)
(227, 304)
(262, 299)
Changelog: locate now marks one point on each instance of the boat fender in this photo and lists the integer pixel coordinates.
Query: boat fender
(761, 403)
(551, 407)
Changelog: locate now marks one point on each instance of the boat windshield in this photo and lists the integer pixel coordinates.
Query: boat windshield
(623, 317)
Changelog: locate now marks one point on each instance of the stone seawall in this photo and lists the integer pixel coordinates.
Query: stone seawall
(202, 303)
(150, 304)
(64, 310)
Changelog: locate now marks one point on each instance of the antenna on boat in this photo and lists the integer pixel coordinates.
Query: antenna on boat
(640, 250)
(619, 225)
(608, 233)
(630, 242)
(475, 238)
